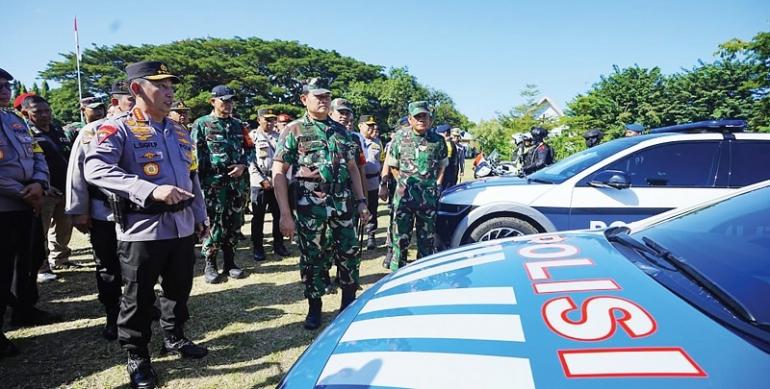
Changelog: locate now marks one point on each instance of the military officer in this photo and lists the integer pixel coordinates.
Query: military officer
(265, 139)
(149, 163)
(223, 158)
(180, 113)
(417, 159)
(90, 212)
(322, 156)
(23, 179)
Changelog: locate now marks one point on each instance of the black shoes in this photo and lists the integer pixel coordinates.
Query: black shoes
(7, 349)
(211, 273)
(34, 317)
(230, 268)
(259, 254)
(185, 347)
(110, 330)
(348, 295)
(371, 243)
(313, 318)
(280, 250)
(140, 372)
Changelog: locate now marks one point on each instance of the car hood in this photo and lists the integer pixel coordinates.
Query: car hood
(526, 312)
(492, 189)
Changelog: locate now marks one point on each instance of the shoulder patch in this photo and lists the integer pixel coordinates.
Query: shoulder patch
(104, 132)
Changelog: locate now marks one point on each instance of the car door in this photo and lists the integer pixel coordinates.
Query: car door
(749, 162)
(661, 177)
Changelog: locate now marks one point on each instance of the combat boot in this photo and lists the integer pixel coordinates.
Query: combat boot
(371, 243)
(140, 371)
(348, 296)
(210, 272)
(280, 250)
(313, 318)
(185, 347)
(259, 253)
(230, 268)
(110, 330)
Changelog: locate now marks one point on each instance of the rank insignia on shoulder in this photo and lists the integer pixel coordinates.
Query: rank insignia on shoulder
(105, 131)
(151, 169)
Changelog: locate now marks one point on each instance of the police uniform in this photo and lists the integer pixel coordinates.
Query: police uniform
(21, 163)
(132, 156)
(260, 169)
(373, 154)
(419, 159)
(318, 152)
(220, 143)
(540, 155)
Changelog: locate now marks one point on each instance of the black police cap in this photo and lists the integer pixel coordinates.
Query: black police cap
(150, 70)
(120, 88)
(6, 75)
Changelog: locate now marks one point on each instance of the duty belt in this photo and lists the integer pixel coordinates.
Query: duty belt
(156, 208)
(372, 175)
(97, 194)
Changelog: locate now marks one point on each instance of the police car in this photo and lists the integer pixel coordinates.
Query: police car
(617, 182)
(678, 300)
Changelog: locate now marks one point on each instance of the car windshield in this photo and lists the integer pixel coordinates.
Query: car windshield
(728, 243)
(576, 163)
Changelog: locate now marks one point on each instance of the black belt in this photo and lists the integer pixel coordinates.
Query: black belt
(97, 194)
(156, 208)
(372, 175)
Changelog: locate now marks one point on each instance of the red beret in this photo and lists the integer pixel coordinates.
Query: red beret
(20, 99)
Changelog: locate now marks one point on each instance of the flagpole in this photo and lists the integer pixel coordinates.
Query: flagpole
(77, 60)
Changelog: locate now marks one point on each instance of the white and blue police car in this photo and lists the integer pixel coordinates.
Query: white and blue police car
(679, 300)
(617, 182)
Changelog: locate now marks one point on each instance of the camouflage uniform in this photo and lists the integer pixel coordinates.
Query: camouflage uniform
(318, 152)
(419, 159)
(220, 143)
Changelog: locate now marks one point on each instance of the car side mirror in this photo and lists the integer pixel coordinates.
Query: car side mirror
(610, 179)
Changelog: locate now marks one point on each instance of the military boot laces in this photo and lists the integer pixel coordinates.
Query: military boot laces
(185, 347)
(140, 372)
(313, 318)
(211, 273)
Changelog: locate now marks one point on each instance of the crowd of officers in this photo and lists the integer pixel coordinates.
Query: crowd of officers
(147, 185)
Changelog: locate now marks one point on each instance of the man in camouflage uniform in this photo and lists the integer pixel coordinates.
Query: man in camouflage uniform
(222, 156)
(417, 159)
(321, 154)
(180, 113)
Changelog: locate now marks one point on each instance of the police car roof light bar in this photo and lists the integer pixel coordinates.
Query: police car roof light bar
(726, 125)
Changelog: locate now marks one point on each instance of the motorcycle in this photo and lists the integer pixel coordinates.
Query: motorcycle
(491, 166)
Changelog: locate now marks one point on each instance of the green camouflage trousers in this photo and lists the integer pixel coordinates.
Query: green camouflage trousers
(316, 214)
(413, 208)
(224, 205)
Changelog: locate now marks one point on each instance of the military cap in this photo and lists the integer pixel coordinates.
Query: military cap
(635, 127)
(120, 88)
(316, 86)
(340, 104)
(455, 131)
(442, 128)
(265, 113)
(285, 118)
(367, 119)
(417, 107)
(179, 105)
(6, 75)
(91, 102)
(150, 70)
(222, 92)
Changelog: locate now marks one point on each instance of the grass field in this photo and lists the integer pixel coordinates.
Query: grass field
(252, 327)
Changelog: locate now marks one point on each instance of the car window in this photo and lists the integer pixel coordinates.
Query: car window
(750, 162)
(682, 164)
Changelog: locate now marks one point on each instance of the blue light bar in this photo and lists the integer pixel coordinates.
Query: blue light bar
(726, 125)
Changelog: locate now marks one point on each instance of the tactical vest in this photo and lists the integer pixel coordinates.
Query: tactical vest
(319, 154)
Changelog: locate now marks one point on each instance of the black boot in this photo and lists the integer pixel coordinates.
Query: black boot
(140, 371)
(7, 349)
(185, 347)
(348, 295)
(279, 249)
(210, 272)
(110, 330)
(371, 243)
(34, 317)
(230, 268)
(313, 318)
(259, 253)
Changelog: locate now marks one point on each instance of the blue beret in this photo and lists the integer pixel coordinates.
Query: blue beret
(635, 127)
(443, 128)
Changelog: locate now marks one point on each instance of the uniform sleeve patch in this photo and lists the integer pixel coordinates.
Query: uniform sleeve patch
(104, 132)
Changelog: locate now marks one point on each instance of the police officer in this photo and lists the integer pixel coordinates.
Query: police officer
(417, 159)
(455, 134)
(451, 171)
(150, 163)
(180, 113)
(90, 212)
(56, 147)
(367, 126)
(540, 155)
(633, 129)
(593, 137)
(322, 156)
(265, 139)
(23, 179)
(222, 156)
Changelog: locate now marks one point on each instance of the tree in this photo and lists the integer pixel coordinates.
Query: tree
(44, 89)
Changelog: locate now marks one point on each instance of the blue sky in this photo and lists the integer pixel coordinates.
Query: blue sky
(481, 53)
